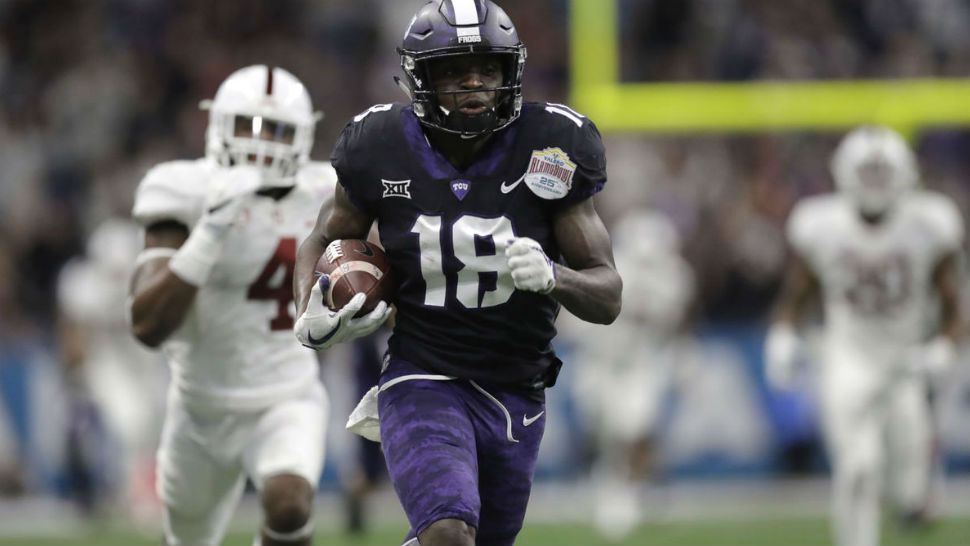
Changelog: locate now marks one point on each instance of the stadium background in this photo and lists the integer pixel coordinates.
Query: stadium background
(721, 113)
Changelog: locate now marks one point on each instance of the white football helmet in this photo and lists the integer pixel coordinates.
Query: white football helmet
(874, 166)
(261, 116)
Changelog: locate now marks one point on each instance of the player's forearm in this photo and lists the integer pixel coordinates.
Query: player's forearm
(72, 335)
(947, 281)
(306, 262)
(593, 294)
(952, 321)
(800, 288)
(160, 302)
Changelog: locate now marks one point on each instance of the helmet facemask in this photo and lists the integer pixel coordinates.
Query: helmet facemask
(275, 147)
(427, 100)
(262, 121)
(874, 192)
(874, 167)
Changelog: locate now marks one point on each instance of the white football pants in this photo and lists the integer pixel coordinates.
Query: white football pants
(205, 457)
(877, 424)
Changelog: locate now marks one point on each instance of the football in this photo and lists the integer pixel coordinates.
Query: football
(354, 266)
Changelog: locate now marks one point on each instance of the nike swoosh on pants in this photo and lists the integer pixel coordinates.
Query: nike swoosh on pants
(526, 421)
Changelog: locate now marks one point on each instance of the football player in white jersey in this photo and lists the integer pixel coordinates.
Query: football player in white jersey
(107, 371)
(626, 369)
(877, 252)
(213, 288)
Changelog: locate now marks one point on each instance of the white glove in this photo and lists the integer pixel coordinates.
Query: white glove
(531, 269)
(781, 353)
(229, 191)
(932, 359)
(320, 328)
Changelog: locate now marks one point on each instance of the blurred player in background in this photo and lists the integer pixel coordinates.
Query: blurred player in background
(367, 470)
(876, 252)
(484, 208)
(213, 288)
(114, 381)
(627, 370)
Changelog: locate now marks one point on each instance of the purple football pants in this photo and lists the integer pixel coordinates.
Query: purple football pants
(455, 450)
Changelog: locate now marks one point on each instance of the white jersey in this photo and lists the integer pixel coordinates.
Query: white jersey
(876, 279)
(236, 349)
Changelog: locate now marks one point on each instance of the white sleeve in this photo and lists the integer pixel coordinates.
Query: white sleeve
(802, 229)
(171, 191)
(319, 177)
(946, 222)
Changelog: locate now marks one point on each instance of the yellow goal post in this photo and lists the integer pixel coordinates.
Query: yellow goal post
(596, 90)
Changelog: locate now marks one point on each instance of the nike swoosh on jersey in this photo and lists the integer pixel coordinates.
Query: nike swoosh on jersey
(219, 206)
(506, 187)
(526, 421)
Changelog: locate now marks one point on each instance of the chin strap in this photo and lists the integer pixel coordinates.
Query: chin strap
(404, 87)
(470, 126)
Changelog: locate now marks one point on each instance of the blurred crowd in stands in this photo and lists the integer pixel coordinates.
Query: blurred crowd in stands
(93, 92)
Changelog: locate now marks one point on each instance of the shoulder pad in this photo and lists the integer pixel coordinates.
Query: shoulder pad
(563, 113)
(365, 138)
(555, 125)
(807, 216)
(174, 190)
(943, 217)
(351, 144)
(318, 177)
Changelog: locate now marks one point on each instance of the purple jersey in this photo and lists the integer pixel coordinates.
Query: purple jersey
(445, 232)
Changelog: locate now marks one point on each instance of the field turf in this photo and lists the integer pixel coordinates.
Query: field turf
(793, 532)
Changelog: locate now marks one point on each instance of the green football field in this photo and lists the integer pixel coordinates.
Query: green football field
(797, 532)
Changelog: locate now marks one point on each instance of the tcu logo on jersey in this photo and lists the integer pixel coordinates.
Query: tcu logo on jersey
(460, 188)
(394, 188)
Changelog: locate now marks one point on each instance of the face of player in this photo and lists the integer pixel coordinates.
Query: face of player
(875, 191)
(456, 80)
(266, 129)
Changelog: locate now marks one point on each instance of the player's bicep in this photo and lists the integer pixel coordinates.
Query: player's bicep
(800, 286)
(947, 283)
(162, 239)
(582, 237)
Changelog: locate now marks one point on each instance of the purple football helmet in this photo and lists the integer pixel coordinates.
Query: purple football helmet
(446, 28)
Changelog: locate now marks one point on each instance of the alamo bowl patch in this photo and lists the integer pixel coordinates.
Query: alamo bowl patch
(550, 173)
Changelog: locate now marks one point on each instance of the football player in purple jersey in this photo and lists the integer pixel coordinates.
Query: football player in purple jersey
(483, 205)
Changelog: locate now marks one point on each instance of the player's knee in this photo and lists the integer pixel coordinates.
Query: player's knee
(448, 532)
(287, 503)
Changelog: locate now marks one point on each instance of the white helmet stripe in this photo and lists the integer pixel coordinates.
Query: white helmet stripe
(465, 12)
